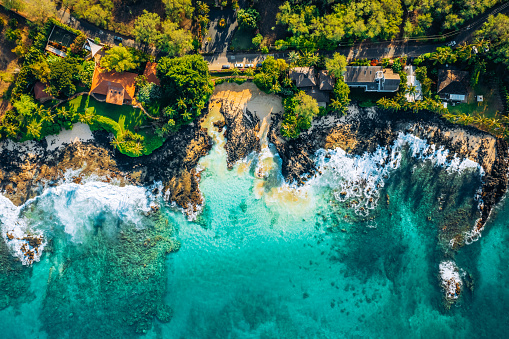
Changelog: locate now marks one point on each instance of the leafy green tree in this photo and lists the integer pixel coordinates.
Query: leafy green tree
(336, 66)
(257, 40)
(146, 28)
(341, 92)
(173, 40)
(41, 10)
(248, 18)
(495, 30)
(119, 59)
(14, 5)
(86, 73)
(299, 112)
(97, 15)
(185, 81)
(61, 79)
(149, 93)
(176, 10)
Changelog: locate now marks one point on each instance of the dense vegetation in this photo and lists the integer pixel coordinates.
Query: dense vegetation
(317, 24)
(186, 87)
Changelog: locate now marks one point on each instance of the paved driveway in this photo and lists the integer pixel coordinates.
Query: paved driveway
(219, 37)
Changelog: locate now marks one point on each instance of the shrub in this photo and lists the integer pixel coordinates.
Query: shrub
(12, 35)
(257, 40)
(86, 73)
(264, 50)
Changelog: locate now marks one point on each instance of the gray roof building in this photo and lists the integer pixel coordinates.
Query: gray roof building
(453, 85)
(303, 76)
(372, 78)
(326, 82)
(321, 97)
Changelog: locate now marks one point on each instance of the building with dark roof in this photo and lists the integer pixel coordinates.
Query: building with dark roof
(453, 85)
(303, 76)
(321, 97)
(40, 92)
(325, 81)
(59, 40)
(372, 78)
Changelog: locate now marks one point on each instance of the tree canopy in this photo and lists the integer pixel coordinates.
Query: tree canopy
(173, 40)
(146, 28)
(186, 84)
(119, 59)
(496, 30)
(299, 113)
(336, 66)
(248, 18)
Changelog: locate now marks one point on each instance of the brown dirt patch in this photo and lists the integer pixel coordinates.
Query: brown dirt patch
(126, 12)
(8, 64)
(268, 10)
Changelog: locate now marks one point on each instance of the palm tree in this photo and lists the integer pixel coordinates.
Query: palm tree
(313, 59)
(137, 149)
(116, 142)
(48, 116)
(34, 129)
(293, 57)
(200, 106)
(169, 111)
(336, 104)
(202, 7)
(181, 103)
(412, 91)
(11, 130)
(186, 116)
(87, 117)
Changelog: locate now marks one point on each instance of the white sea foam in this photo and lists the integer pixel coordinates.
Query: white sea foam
(450, 279)
(77, 208)
(357, 179)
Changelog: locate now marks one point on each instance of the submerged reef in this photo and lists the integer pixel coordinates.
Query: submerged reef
(110, 286)
(458, 204)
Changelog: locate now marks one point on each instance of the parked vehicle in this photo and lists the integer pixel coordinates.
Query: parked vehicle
(259, 65)
(452, 43)
(249, 66)
(239, 65)
(117, 39)
(225, 67)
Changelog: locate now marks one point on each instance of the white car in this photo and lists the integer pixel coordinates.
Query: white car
(249, 65)
(239, 65)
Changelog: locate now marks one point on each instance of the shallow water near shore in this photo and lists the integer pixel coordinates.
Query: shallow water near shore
(263, 259)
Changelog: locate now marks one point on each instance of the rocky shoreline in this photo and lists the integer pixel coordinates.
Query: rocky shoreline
(26, 171)
(364, 129)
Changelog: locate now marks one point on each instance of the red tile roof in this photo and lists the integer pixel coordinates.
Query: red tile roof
(151, 72)
(117, 87)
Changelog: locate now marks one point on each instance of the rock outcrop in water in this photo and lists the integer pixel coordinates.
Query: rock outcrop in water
(364, 129)
(26, 170)
(241, 130)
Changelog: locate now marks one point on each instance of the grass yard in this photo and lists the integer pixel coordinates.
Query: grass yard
(118, 120)
(367, 99)
(489, 107)
(242, 40)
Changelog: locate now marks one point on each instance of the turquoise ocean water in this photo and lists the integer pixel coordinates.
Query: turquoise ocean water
(355, 253)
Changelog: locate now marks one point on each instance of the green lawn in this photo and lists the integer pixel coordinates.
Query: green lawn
(489, 107)
(242, 39)
(118, 119)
